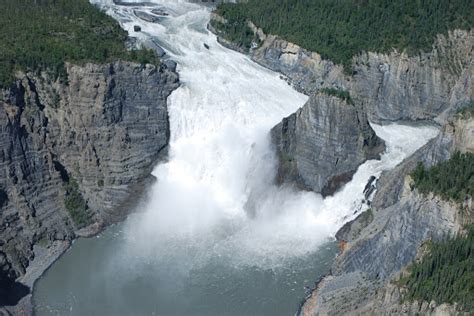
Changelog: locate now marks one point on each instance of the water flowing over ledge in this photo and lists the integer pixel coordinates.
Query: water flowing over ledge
(216, 232)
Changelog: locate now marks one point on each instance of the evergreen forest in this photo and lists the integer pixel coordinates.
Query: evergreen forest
(43, 34)
(340, 29)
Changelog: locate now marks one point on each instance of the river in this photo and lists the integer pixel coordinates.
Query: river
(215, 236)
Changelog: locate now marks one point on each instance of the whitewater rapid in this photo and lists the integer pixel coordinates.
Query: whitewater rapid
(215, 236)
(215, 196)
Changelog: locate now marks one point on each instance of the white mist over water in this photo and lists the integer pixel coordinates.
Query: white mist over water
(215, 197)
(215, 236)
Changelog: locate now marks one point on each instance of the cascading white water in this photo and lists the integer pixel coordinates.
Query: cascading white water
(215, 203)
(221, 166)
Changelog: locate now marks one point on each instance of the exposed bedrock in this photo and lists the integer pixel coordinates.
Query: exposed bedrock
(321, 145)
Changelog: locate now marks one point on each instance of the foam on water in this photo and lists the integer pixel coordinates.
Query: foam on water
(215, 236)
(215, 196)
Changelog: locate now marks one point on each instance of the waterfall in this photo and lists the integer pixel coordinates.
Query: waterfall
(215, 226)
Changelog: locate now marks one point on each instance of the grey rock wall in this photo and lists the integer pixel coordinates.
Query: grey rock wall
(106, 129)
(321, 145)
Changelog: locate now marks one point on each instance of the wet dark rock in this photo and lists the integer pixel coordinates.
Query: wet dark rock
(146, 16)
(160, 12)
(134, 4)
(160, 51)
(154, 45)
(370, 187)
(170, 65)
(137, 28)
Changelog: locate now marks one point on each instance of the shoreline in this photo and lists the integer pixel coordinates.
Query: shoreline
(47, 256)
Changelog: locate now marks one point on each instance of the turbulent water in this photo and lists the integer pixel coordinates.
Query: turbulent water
(215, 236)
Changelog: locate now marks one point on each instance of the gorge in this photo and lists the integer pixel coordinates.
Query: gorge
(242, 174)
(215, 235)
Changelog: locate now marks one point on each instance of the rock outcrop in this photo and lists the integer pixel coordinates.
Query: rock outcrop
(380, 246)
(391, 86)
(75, 155)
(321, 145)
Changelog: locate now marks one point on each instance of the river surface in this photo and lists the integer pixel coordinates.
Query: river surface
(215, 236)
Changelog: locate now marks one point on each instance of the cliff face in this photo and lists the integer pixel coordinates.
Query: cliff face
(74, 154)
(427, 86)
(378, 248)
(321, 145)
(390, 86)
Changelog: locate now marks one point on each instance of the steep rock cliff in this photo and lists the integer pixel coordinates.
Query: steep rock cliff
(321, 145)
(377, 250)
(74, 154)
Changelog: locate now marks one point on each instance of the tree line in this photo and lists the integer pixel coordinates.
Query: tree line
(340, 29)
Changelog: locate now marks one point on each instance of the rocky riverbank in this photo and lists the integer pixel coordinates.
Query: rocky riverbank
(76, 156)
(363, 278)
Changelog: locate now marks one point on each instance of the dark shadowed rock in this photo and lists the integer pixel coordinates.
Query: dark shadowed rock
(134, 4)
(147, 16)
(370, 187)
(321, 145)
(170, 65)
(160, 12)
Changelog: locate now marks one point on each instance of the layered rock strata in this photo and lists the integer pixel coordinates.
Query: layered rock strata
(75, 154)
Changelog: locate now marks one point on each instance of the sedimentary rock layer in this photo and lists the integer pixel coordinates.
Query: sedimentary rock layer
(74, 153)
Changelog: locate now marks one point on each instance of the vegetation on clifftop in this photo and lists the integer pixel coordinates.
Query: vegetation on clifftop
(340, 29)
(452, 179)
(43, 34)
(239, 32)
(445, 274)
